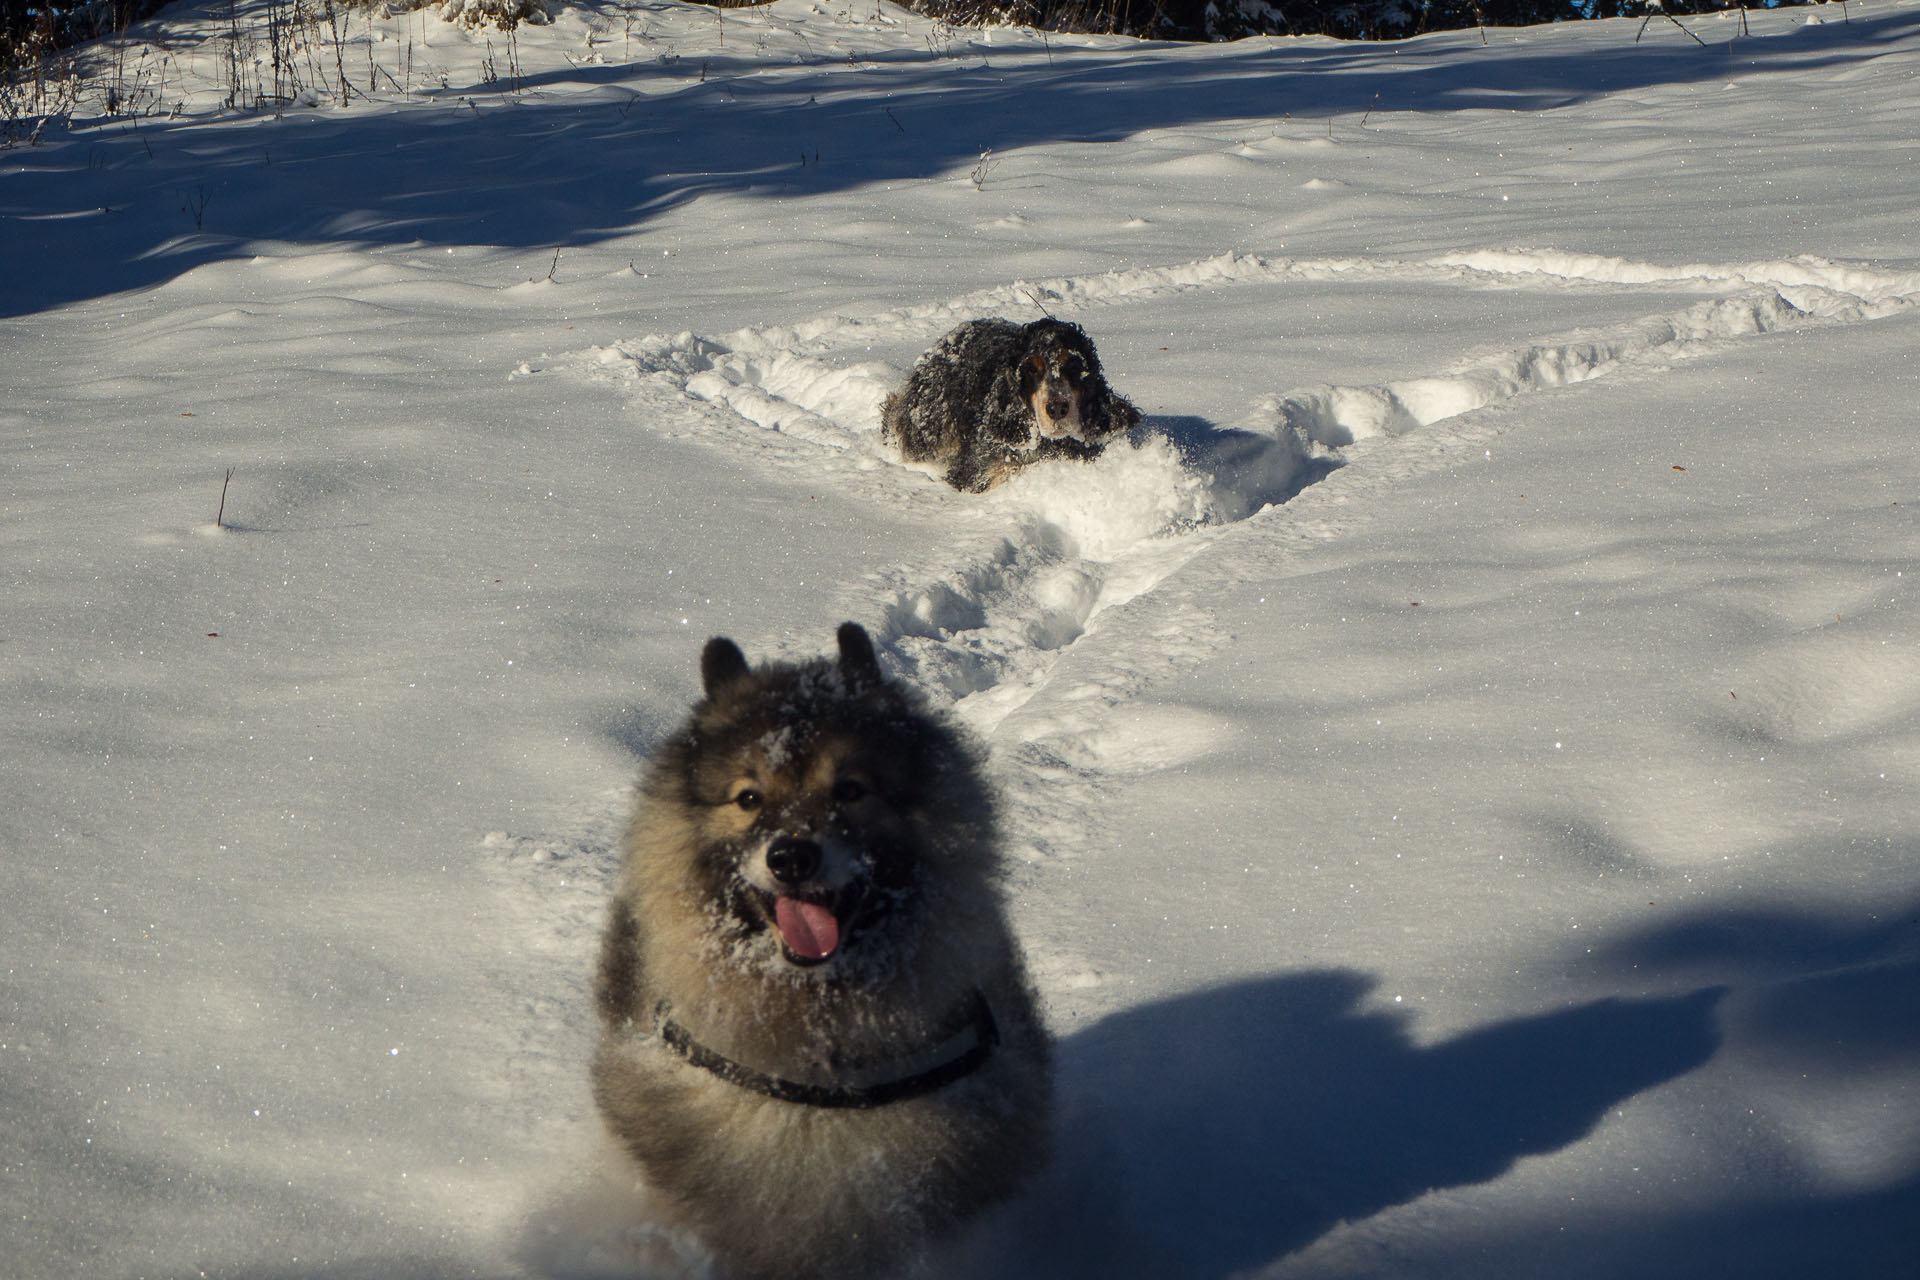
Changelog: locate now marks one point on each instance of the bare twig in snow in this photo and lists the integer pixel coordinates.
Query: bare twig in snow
(980, 171)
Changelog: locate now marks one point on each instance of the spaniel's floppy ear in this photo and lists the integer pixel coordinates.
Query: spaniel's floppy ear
(1113, 414)
(1095, 410)
(1089, 358)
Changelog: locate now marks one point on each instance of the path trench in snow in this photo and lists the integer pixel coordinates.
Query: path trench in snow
(1035, 563)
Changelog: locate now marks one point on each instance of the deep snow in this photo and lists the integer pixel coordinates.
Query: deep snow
(1460, 761)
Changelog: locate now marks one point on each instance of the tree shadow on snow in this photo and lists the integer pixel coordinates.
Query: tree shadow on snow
(521, 170)
(1819, 995)
(1775, 942)
(1853, 1235)
(1218, 1131)
(1818, 1020)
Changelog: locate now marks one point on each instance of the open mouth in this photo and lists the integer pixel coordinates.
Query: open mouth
(809, 925)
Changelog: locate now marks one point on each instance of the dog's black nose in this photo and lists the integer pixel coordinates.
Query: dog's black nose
(1057, 408)
(793, 859)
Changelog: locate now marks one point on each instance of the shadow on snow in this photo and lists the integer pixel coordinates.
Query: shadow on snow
(1217, 1131)
(122, 205)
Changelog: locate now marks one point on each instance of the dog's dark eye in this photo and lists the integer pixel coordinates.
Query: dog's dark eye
(847, 790)
(749, 799)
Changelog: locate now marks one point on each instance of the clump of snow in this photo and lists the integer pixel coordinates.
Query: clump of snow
(504, 14)
(1102, 507)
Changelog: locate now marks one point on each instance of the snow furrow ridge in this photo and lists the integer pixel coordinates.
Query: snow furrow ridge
(1338, 416)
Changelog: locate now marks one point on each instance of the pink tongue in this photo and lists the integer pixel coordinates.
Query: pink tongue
(808, 929)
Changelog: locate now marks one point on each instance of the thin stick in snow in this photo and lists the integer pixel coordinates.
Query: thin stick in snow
(980, 171)
(1675, 21)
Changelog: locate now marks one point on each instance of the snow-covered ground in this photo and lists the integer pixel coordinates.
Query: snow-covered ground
(1462, 760)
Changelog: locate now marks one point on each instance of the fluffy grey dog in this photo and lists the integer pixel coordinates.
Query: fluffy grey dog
(818, 1040)
(995, 395)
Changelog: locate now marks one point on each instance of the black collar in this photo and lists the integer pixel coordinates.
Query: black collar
(969, 1048)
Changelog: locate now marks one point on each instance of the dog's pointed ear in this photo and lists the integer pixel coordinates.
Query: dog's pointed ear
(721, 663)
(858, 665)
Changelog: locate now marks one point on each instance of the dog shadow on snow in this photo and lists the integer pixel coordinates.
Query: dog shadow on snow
(1218, 1131)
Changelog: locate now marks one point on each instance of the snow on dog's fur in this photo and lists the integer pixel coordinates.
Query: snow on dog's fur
(819, 1043)
(995, 395)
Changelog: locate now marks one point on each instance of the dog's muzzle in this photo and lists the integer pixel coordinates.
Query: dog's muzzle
(806, 914)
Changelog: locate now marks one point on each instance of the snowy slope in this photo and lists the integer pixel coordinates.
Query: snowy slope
(1460, 758)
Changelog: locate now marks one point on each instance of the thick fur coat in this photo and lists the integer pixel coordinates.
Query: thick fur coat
(996, 395)
(811, 902)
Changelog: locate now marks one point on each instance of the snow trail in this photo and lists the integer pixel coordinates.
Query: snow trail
(1035, 563)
